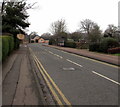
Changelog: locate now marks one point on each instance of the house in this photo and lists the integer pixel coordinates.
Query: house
(38, 39)
(41, 40)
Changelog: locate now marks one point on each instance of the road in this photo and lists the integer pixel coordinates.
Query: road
(76, 80)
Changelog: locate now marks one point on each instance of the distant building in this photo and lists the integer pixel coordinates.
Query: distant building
(119, 15)
(38, 39)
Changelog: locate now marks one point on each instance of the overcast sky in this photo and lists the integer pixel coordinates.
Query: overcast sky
(103, 12)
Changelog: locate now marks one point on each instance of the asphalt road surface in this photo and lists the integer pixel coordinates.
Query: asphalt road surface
(76, 80)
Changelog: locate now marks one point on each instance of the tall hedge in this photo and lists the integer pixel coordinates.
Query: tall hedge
(7, 45)
(107, 43)
(70, 44)
(104, 45)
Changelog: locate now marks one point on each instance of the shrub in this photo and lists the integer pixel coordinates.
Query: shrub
(52, 41)
(94, 47)
(70, 44)
(114, 50)
(107, 43)
(7, 45)
(11, 43)
(82, 45)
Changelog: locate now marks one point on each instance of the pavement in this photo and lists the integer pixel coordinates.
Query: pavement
(18, 81)
(111, 59)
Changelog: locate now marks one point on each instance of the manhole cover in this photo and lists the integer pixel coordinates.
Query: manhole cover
(69, 69)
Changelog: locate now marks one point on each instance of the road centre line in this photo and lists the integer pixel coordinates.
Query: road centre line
(58, 56)
(48, 83)
(74, 63)
(50, 52)
(106, 78)
(55, 54)
(115, 66)
(53, 83)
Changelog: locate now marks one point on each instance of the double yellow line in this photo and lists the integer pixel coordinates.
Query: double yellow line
(49, 81)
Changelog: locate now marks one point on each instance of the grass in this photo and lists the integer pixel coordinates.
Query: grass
(118, 54)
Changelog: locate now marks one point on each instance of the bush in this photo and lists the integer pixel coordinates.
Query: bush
(107, 43)
(7, 45)
(114, 50)
(70, 44)
(52, 42)
(82, 45)
(94, 47)
(11, 43)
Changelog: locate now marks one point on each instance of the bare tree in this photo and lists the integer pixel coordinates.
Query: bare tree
(58, 27)
(110, 31)
(46, 35)
(86, 26)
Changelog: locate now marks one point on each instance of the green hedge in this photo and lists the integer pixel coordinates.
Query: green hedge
(104, 45)
(70, 44)
(107, 43)
(94, 47)
(7, 46)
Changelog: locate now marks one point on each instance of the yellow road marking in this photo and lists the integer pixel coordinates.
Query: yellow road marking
(115, 66)
(106, 78)
(74, 63)
(56, 87)
(48, 83)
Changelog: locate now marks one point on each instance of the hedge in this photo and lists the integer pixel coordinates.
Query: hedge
(70, 44)
(114, 50)
(107, 43)
(7, 46)
(82, 45)
(104, 45)
(94, 47)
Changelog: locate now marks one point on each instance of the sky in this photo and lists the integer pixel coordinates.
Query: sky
(103, 12)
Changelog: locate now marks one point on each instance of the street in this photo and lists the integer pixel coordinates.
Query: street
(76, 80)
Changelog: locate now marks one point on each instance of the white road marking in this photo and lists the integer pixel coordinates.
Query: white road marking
(74, 63)
(50, 52)
(58, 56)
(106, 78)
(115, 66)
(55, 54)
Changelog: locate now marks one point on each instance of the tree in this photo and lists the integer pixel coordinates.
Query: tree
(76, 36)
(46, 35)
(110, 31)
(58, 27)
(95, 34)
(86, 26)
(14, 18)
(91, 29)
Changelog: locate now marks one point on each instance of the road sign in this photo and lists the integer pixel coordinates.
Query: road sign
(20, 36)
